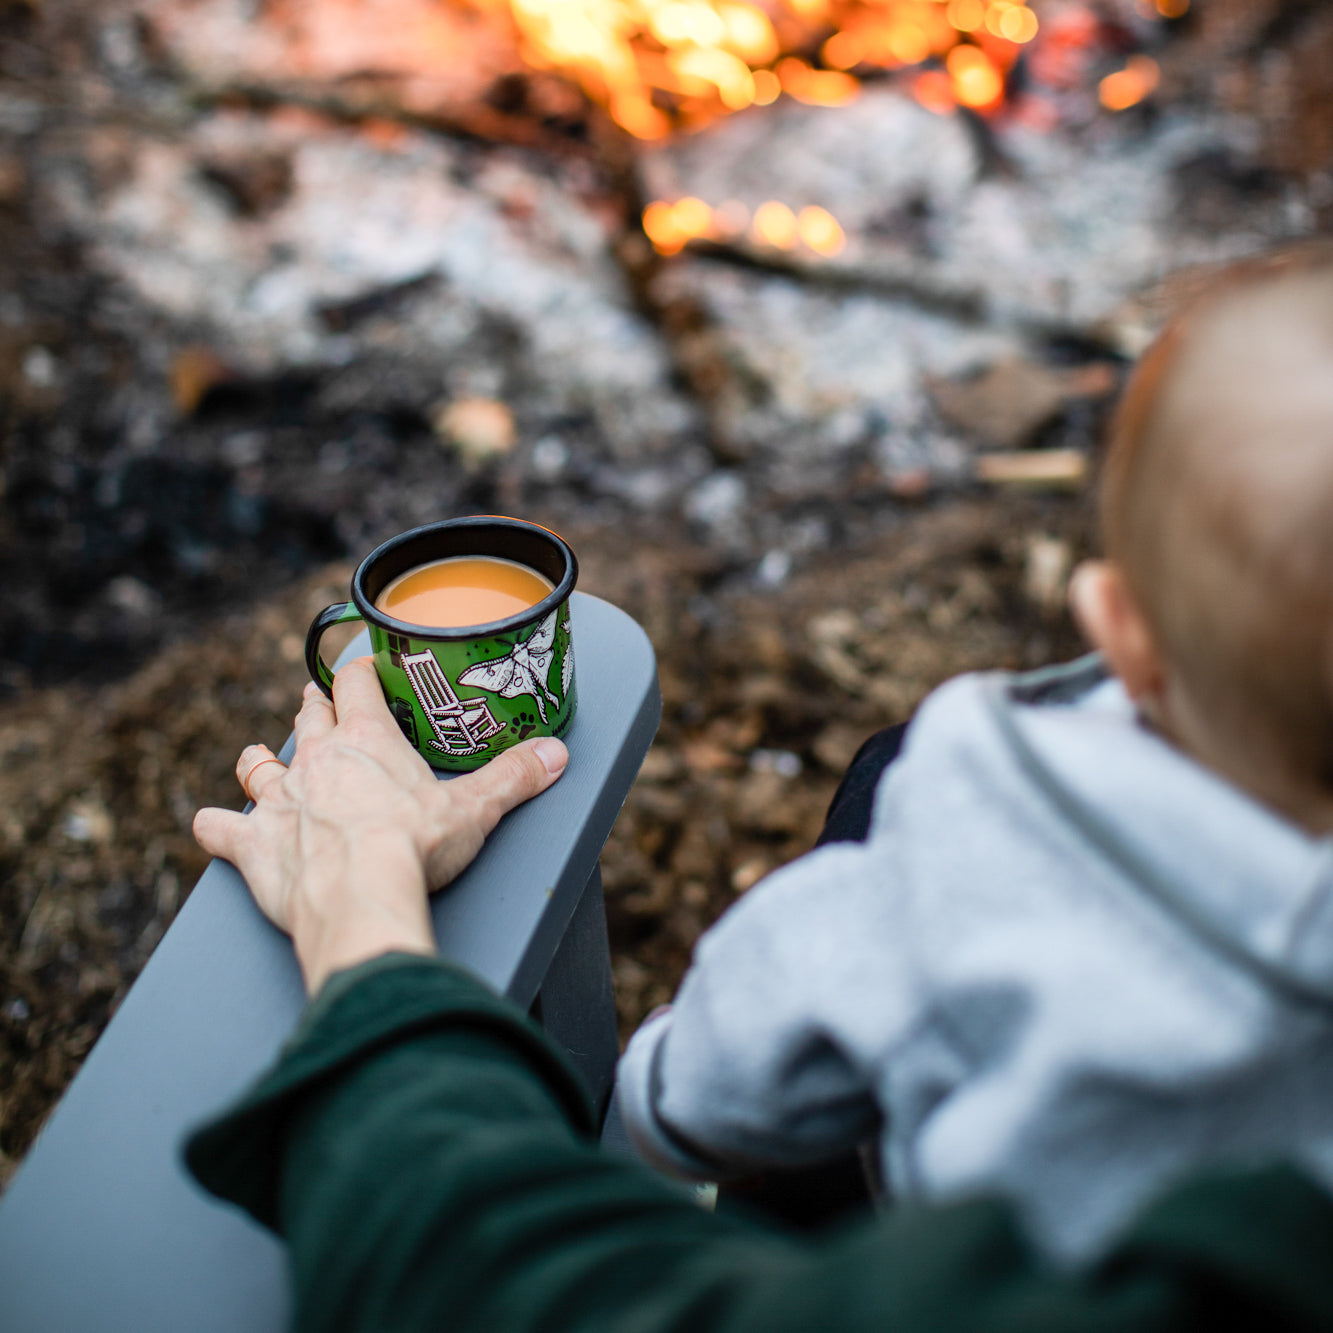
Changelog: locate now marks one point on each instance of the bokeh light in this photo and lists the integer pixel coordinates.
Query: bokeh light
(819, 229)
(1129, 86)
(976, 81)
(775, 224)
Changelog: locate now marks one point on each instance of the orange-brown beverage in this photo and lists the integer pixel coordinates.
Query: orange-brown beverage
(462, 590)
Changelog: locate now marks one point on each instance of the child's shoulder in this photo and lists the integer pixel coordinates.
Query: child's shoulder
(973, 744)
(971, 711)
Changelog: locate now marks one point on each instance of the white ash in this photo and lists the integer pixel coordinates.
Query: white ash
(832, 365)
(40, 368)
(649, 490)
(717, 500)
(858, 161)
(510, 246)
(1068, 226)
(773, 570)
(1085, 221)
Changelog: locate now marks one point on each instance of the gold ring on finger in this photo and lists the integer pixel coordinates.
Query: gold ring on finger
(245, 786)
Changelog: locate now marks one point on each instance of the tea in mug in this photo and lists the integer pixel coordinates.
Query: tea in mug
(462, 590)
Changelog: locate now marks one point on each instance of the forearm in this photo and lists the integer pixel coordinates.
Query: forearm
(442, 1174)
(492, 1214)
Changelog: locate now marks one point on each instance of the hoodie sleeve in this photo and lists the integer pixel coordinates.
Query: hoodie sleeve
(425, 1154)
(762, 1061)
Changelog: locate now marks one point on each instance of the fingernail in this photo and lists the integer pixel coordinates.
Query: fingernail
(553, 755)
(310, 688)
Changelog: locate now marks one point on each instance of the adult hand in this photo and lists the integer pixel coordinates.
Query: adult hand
(343, 847)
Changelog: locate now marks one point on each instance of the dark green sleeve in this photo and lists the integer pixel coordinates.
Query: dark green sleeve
(427, 1155)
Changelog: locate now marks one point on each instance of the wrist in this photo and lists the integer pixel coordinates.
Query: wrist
(353, 940)
(359, 912)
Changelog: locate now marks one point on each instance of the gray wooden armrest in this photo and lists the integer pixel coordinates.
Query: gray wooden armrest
(102, 1230)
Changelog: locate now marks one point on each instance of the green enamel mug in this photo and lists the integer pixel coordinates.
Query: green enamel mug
(463, 694)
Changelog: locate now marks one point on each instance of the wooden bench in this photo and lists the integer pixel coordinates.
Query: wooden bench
(102, 1231)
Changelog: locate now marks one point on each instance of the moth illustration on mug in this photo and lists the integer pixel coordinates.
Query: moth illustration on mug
(523, 670)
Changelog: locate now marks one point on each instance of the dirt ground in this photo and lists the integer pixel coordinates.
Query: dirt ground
(766, 697)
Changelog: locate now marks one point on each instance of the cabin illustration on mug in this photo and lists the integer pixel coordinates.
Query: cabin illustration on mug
(461, 726)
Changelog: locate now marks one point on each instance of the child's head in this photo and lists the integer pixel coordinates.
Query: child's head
(1215, 605)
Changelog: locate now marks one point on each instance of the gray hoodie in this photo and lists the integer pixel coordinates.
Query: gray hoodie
(1068, 965)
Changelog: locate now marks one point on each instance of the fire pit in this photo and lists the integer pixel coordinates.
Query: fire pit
(708, 257)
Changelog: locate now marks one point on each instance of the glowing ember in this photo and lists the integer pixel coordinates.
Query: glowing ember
(1017, 22)
(671, 226)
(819, 229)
(767, 87)
(775, 225)
(934, 90)
(1129, 86)
(967, 15)
(817, 87)
(976, 81)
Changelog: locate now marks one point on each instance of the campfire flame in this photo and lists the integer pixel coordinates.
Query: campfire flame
(659, 66)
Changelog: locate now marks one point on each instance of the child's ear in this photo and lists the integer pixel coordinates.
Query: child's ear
(1109, 615)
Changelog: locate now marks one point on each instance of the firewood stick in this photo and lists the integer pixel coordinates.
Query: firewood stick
(912, 280)
(352, 105)
(1056, 468)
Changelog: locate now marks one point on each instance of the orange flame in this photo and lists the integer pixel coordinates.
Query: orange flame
(659, 64)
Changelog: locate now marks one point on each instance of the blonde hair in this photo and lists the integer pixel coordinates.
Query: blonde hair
(1217, 503)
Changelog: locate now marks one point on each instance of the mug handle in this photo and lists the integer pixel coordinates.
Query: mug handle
(337, 614)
